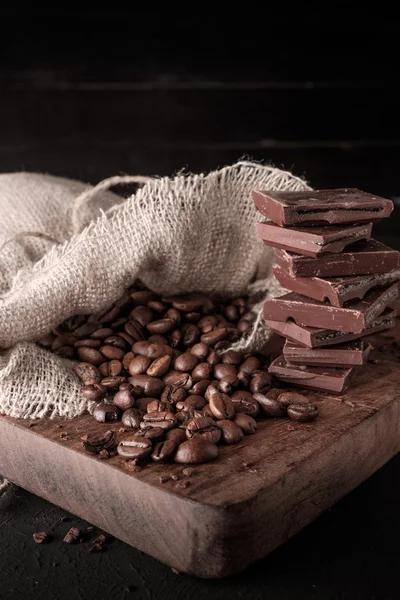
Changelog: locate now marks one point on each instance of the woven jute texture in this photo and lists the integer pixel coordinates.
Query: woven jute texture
(187, 233)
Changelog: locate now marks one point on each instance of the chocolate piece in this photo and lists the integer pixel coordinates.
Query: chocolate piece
(336, 290)
(312, 241)
(349, 354)
(361, 258)
(321, 206)
(353, 317)
(316, 378)
(314, 337)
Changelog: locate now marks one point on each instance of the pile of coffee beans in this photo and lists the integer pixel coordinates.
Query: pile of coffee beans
(164, 367)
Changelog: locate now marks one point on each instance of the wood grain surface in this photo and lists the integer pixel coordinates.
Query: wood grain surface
(236, 509)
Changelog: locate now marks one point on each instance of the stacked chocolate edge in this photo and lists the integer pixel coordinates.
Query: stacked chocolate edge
(342, 282)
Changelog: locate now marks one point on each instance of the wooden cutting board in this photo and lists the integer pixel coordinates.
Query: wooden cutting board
(236, 509)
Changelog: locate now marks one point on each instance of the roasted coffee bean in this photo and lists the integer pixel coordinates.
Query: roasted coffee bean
(231, 432)
(157, 338)
(93, 392)
(105, 412)
(220, 371)
(142, 297)
(159, 366)
(76, 321)
(158, 406)
(213, 358)
(178, 379)
(111, 369)
(141, 348)
(65, 352)
(118, 323)
(142, 403)
(129, 356)
(86, 330)
(176, 435)
(269, 406)
(204, 427)
(200, 387)
(175, 338)
(227, 385)
(124, 399)
(139, 365)
(127, 338)
(102, 333)
(166, 420)
(260, 382)
(185, 362)
(191, 302)
(214, 336)
(207, 411)
(191, 334)
(103, 368)
(161, 326)
(90, 355)
(191, 403)
(202, 371)
(249, 316)
(112, 353)
(221, 406)
(135, 447)
(142, 314)
(195, 451)
(288, 398)
(200, 351)
(113, 383)
(135, 330)
(207, 323)
(232, 357)
(243, 326)
(158, 350)
(245, 403)
(155, 434)
(192, 317)
(173, 395)
(210, 391)
(231, 312)
(132, 418)
(173, 314)
(104, 442)
(87, 373)
(89, 343)
(110, 315)
(250, 365)
(46, 341)
(246, 423)
(244, 379)
(221, 346)
(302, 412)
(274, 394)
(144, 385)
(163, 451)
(117, 341)
(157, 306)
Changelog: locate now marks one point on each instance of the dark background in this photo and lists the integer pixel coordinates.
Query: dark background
(89, 93)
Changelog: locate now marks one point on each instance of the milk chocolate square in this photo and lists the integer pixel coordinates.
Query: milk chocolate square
(346, 355)
(315, 378)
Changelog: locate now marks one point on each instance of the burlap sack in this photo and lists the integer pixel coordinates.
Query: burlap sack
(191, 232)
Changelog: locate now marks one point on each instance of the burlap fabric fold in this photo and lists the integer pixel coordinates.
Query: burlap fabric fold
(187, 233)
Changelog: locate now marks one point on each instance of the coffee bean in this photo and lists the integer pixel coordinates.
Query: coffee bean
(191, 403)
(144, 385)
(204, 427)
(118, 323)
(244, 379)
(117, 341)
(156, 306)
(221, 371)
(243, 326)
(227, 385)
(288, 398)
(159, 366)
(192, 317)
(175, 338)
(221, 406)
(90, 355)
(246, 423)
(87, 373)
(103, 368)
(231, 432)
(125, 337)
(208, 323)
(112, 353)
(173, 395)
(111, 369)
(191, 334)
(155, 434)
(110, 315)
(139, 365)
(141, 348)
(112, 383)
(132, 418)
(250, 365)
(249, 316)
(232, 312)
(135, 447)
(86, 330)
(142, 297)
(161, 326)
(142, 403)
(106, 412)
(302, 412)
(274, 393)
(142, 314)
(93, 392)
(200, 351)
(207, 411)
(260, 382)
(245, 403)
(159, 350)
(232, 357)
(76, 321)
(173, 314)
(163, 451)
(213, 358)
(214, 336)
(124, 399)
(166, 420)
(129, 356)
(103, 442)
(176, 435)
(200, 387)
(135, 330)
(191, 302)
(178, 379)
(158, 406)
(65, 352)
(102, 333)
(157, 338)
(185, 362)
(46, 341)
(201, 371)
(87, 343)
(195, 451)
(269, 406)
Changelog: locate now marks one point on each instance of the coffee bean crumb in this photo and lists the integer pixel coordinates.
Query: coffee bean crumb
(291, 428)
(188, 471)
(98, 544)
(175, 571)
(89, 529)
(64, 435)
(163, 478)
(175, 477)
(183, 484)
(103, 454)
(72, 536)
(84, 438)
(58, 426)
(40, 537)
(246, 464)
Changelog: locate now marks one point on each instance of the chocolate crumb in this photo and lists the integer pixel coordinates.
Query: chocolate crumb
(84, 437)
(40, 537)
(175, 477)
(98, 544)
(72, 536)
(183, 484)
(188, 471)
(89, 528)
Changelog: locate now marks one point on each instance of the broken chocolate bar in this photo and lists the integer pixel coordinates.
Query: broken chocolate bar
(312, 241)
(353, 317)
(316, 378)
(348, 354)
(361, 258)
(315, 337)
(336, 290)
(321, 206)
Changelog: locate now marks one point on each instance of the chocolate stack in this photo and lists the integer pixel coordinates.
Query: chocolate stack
(341, 281)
